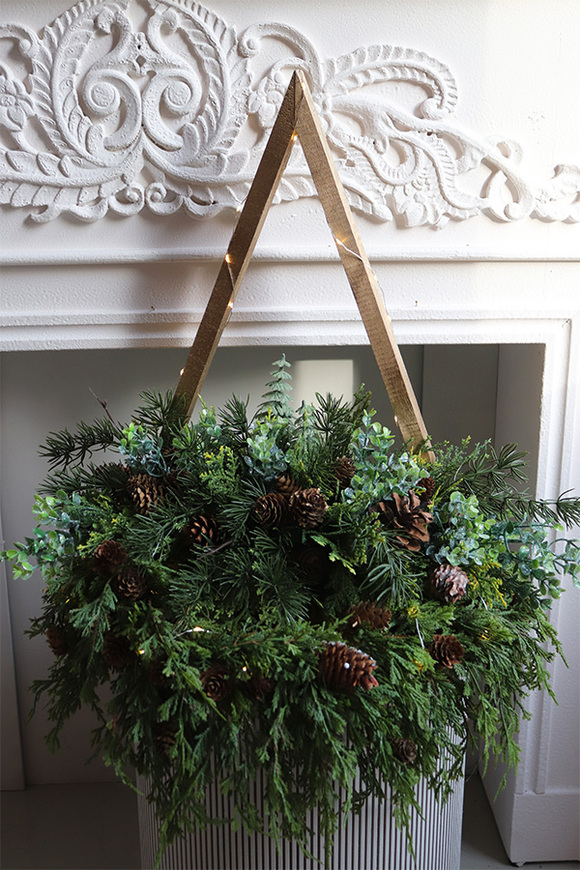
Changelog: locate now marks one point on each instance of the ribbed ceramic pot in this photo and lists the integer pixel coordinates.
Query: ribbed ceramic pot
(366, 841)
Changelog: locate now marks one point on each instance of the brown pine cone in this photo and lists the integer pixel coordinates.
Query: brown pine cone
(56, 640)
(448, 583)
(427, 484)
(344, 469)
(285, 484)
(131, 583)
(308, 507)
(446, 650)
(373, 615)
(259, 687)
(407, 517)
(200, 529)
(107, 557)
(216, 683)
(156, 675)
(344, 667)
(165, 738)
(270, 510)
(405, 750)
(313, 560)
(116, 651)
(145, 491)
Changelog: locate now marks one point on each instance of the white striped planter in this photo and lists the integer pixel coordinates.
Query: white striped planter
(368, 841)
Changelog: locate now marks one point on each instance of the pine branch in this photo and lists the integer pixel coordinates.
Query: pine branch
(492, 477)
(393, 576)
(152, 536)
(564, 509)
(234, 420)
(154, 412)
(110, 477)
(69, 480)
(280, 592)
(488, 477)
(337, 419)
(236, 514)
(65, 448)
(489, 471)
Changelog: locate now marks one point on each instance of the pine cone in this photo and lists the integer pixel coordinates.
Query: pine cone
(285, 484)
(107, 557)
(405, 750)
(156, 675)
(427, 484)
(259, 687)
(216, 683)
(270, 510)
(200, 529)
(446, 650)
(308, 507)
(56, 640)
(408, 517)
(373, 615)
(145, 491)
(116, 651)
(165, 738)
(344, 667)
(344, 469)
(313, 560)
(448, 583)
(131, 583)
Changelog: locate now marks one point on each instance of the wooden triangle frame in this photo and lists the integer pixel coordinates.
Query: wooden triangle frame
(298, 119)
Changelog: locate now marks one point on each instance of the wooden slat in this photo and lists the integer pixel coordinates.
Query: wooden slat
(298, 118)
(358, 270)
(238, 256)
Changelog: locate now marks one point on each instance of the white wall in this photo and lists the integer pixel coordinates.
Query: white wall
(492, 299)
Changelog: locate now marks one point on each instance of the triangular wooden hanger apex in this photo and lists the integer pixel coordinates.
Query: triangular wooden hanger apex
(298, 119)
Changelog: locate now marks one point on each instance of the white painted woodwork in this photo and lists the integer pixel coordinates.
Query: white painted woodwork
(485, 306)
(166, 107)
(11, 770)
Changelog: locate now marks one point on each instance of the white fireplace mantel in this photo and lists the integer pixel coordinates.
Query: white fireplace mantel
(129, 133)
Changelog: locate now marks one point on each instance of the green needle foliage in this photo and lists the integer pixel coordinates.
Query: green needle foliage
(214, 575)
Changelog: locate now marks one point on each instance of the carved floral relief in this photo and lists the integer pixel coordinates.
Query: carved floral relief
(124, 106)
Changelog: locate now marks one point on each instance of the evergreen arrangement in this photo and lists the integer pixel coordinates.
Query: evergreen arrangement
(290, 593)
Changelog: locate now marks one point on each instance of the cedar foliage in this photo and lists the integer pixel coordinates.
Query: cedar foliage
(237, 600)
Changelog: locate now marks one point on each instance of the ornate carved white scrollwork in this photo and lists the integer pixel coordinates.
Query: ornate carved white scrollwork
(171, 114)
